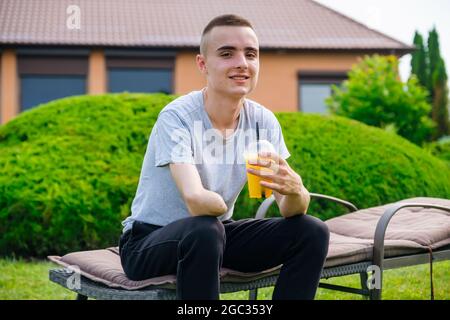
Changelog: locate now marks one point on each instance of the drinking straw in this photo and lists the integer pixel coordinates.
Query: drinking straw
(257, 137)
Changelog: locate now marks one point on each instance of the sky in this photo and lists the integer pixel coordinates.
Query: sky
(399, 19)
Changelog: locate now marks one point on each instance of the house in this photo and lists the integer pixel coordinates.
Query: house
(56, 48)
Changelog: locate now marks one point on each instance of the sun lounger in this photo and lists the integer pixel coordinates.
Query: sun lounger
(364, 242)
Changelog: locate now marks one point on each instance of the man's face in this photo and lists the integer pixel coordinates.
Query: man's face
(231, 61)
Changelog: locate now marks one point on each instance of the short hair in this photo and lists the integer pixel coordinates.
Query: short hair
(223, 20)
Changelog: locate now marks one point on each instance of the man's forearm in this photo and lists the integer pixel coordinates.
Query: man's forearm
(206, 202)
(291, 205)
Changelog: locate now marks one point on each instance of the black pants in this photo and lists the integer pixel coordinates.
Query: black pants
(195, 248)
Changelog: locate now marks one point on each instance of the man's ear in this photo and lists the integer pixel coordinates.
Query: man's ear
(201, 64)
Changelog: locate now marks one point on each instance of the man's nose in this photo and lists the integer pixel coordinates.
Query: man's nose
(241, 61)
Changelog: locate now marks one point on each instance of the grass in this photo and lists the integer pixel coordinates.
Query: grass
(20, 279)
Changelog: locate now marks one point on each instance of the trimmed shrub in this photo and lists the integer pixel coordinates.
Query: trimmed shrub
(440, 149)
(69, 169)
(362, 164)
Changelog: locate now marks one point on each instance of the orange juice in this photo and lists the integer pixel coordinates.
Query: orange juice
(255, 189)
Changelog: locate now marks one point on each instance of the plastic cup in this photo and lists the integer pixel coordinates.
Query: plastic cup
(255, 189)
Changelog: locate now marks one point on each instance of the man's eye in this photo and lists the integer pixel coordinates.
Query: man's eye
(251, 55)
(225, 54)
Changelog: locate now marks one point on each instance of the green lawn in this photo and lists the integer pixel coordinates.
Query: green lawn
(21, 279)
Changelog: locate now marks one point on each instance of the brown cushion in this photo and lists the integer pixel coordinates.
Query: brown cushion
(104, 266)
(410, 230)
(351, 240)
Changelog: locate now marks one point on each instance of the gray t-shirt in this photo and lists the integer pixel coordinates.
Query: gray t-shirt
(183, 133)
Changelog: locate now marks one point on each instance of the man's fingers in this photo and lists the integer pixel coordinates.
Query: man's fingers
(274, 156)
(269, 174)
(270, 164)
(261, 162)
(271, 185)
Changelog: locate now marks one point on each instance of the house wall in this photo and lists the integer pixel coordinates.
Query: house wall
(277, 87)
(97, 72)
(9, 90)
(279, 75)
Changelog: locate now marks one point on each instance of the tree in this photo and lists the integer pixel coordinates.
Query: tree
(437, 85)
(419, 60)
(375, 95)
(429, 67)
(440, 101)
(434, 56)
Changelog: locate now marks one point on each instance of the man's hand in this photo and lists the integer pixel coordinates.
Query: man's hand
(285, 181)
(292, 197)
(199, 201)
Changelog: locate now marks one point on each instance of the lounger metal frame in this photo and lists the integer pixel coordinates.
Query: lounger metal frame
(89, 288)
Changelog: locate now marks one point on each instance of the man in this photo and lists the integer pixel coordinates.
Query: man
(181, 220)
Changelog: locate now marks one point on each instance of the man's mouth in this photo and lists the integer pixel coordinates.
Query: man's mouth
(239, 77)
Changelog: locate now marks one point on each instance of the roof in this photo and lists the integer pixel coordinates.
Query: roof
(284, 24)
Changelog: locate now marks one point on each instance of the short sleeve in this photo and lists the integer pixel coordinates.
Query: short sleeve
(276, 137)
(172, 140)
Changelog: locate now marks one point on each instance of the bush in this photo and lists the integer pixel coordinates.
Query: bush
(440, 149)
(375, 95)
(69, 169)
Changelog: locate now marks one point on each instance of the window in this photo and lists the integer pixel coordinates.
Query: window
(140, 75)
(140, 80)
(36, 89)
(45, 78)
(314, 88)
